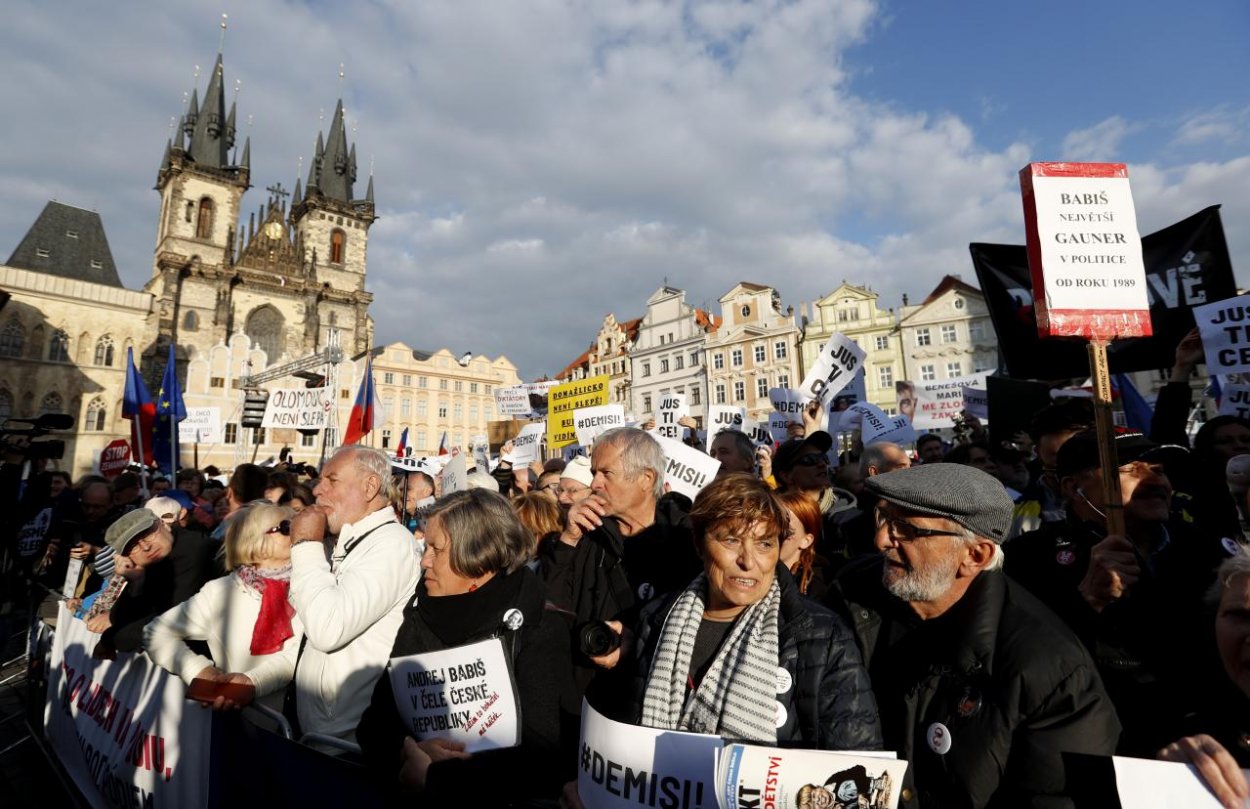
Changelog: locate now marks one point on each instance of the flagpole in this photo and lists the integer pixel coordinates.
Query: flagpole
(143, 467)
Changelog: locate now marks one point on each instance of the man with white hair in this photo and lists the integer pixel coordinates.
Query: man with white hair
(979, 685)
(349, 591)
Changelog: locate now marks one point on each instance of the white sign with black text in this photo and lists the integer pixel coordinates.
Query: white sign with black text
(686, 469)
(591, 422)
(838, 361)
(1225, 331)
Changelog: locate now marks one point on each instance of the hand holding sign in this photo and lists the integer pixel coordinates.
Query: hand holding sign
(833, 369)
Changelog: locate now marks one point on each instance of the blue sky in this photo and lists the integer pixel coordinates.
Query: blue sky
(540, 164)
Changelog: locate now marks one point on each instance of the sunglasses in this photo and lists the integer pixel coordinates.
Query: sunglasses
(283, 528)
(901, 531)
(812, 459)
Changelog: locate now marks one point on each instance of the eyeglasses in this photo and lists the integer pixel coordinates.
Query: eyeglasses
(283, 528)
(551, 487)
(901, 531)
(812, 459)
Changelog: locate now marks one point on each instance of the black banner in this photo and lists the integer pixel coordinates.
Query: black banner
(1187, 265)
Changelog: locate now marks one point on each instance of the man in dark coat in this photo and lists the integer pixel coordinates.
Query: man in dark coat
(624, 544)
(1136, 601)
(979, 685)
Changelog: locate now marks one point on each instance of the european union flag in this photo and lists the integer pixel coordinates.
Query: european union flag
(170, 409)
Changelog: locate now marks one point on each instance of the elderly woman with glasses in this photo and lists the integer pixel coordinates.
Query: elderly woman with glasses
(250, 627)
(739, 652)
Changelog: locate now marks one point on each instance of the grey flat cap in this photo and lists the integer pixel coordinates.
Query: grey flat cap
(961, 493)
(130, 526)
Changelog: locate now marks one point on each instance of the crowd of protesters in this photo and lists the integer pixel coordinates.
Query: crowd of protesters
(962, 604)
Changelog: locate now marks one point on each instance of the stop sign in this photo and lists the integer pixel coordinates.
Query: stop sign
(114, 458)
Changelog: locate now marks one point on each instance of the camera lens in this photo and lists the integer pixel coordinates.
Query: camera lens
(597, 639)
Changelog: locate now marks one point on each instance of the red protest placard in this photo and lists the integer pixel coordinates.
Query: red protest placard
(114, 458)
(1085, 254)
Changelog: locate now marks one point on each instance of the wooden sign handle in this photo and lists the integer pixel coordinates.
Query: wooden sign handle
(1107, 457)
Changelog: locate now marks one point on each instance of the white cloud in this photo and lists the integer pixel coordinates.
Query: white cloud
(1224, 125)
(539, 164)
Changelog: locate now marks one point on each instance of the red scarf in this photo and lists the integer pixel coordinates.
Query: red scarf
(273, 622)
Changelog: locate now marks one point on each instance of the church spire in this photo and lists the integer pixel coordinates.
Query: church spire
(336, 166)
(246, 162)
(209, 140)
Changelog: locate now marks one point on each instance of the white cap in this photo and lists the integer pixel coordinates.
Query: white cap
(578, 469)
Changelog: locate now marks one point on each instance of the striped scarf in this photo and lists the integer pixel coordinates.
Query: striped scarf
(735, 698)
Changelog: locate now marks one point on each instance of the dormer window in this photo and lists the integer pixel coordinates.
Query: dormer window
(71, 234)
(96, 264)
(746, 310)
(42, 252)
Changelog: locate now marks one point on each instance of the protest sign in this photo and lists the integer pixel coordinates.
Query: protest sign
(201, 426)
(481, 453)
(539, 393)
(1235, 401)
(622, 766)
(527, 445)
(455, 474)
(758, 433)
(724, 417)
(686, 469)
(673, 408)
(464, 694)
(298, 408)
(1225, 335)
(591, 422)
(1144, 783)
(115, 458)
(1085, 253)
(877, 426)
(934, 404)
(788, 407)
(852, 418)
(1187, 264)
(562, 400)
(513, 400)
(839, 360)
(122, 728)
(977, 402)
(754, 776)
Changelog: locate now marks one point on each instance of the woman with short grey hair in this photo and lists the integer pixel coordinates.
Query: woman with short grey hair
(475, 587)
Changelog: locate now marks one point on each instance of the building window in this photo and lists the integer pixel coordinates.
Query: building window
(459, 386)
(885, 376)
(664, 365)
(488, 412)
(388, 378)
(96, 264)
(959, 303)
(848, 315)
(735, 358)
(231, 434)
(104, 351)
(485, 388)
(344, 393)
(472, 387)
(954, 369)
(51, 404)
(386, 439)
(422, 408)
(407, 380)
(948, 333)
(71, 234)
(12, 339)
(42, 252)
(646, 369)
(783, 380)
(694, 358)
(338, 241)
(646, 403)
(58, 347)
(982, 364)
(759, 354)
(927, 373)
(204, 225)
(882, 342)
(189, 213)
(679, 362)
(922, 337)
(720, 394)
(761, 387)
(780, 351)
(442, 410)
(458, 411)
(95, 416)
(308, 441)
(740, 391)
(976, 330)
(405, 407)
(423, 382)
(473, 414)
(258, 435)
(216, 381)
(695, 397)
(420, 444)
(718, 361)
(442, 384)
(191, 321)
(267, 328)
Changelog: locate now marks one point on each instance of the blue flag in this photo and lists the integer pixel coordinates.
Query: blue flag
(170, 409)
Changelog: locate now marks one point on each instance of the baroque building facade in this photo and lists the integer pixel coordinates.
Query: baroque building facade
(948, 334)
(668, 355)
(755, 349)
(855, 311)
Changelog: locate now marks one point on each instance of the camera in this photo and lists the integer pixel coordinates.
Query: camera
(596, 639)
(48, 449)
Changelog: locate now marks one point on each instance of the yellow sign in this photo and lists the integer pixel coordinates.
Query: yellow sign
(562, 400)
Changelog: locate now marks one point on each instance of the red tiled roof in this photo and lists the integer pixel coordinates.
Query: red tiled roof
(948, 283)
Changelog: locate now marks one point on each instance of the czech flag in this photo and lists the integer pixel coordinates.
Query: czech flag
(137, 405)
(360, 423)
(403, 444)
(442, 444)
(170, 409)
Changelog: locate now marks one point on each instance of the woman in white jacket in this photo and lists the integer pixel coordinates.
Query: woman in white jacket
(245, 617)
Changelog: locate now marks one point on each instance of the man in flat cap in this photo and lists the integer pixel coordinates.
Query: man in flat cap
(979, 685)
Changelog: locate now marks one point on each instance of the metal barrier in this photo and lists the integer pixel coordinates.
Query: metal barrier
(311, 739)
(283, 727)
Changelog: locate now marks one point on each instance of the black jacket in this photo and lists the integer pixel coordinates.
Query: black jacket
(829, 704)
(165, 584)
(1146, 643)
(1012, 687)
(538, 653)
(608, 576)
